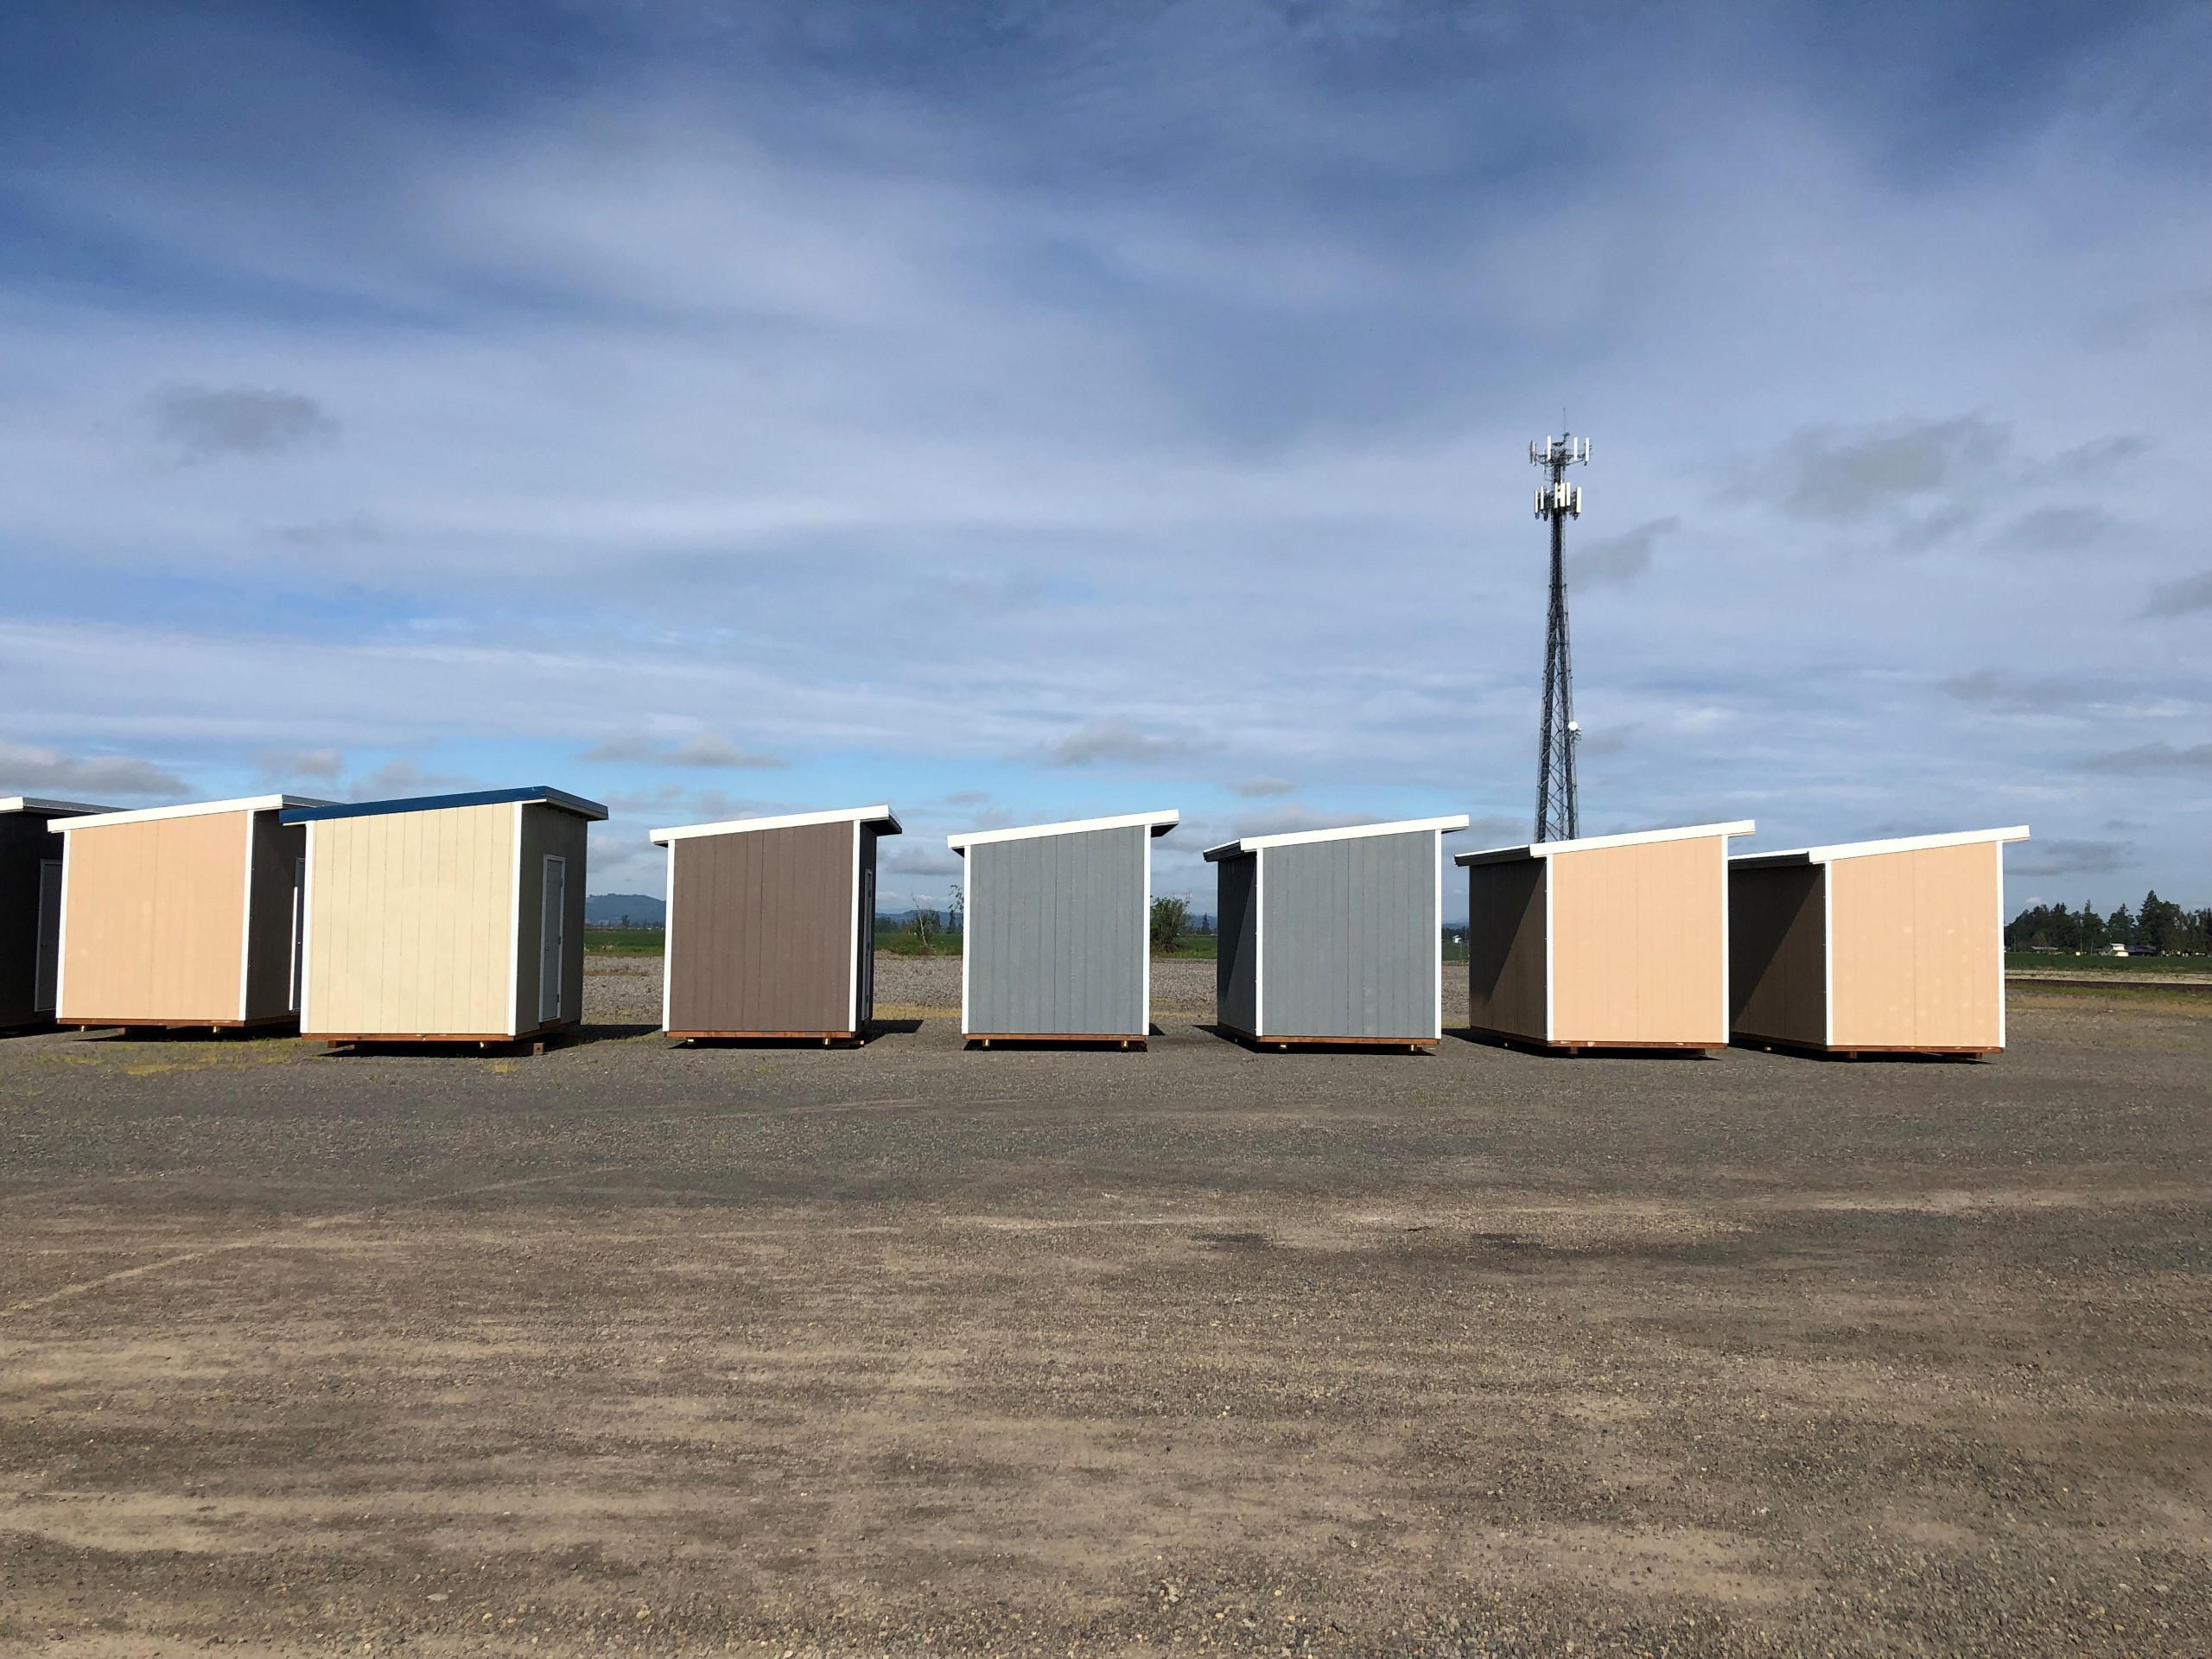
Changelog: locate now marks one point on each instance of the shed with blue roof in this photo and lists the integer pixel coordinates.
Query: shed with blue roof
(444, 917)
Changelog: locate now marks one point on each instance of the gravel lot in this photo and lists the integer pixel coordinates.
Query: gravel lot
(623, 989)
(902, 1350)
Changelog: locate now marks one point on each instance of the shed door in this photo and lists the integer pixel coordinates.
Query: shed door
(49, 935)
(555, 909)
(299, 926)
(865, 945)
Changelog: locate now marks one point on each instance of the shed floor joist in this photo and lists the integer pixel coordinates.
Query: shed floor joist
(825, 1038)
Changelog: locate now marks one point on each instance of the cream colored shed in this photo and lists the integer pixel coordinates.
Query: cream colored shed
(445, 918)
(1605, 942)
(1872, 946)
(179, 915)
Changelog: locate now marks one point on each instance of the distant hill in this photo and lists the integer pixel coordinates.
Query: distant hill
(610, 909)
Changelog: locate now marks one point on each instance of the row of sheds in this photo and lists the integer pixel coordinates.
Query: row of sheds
(461, 918)
(443, 917)
(1658, 939)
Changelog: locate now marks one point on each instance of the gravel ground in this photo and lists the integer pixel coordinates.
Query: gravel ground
(906, 1350)
(622, 990)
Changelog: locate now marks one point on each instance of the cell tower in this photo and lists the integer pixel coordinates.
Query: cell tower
(1558, 817)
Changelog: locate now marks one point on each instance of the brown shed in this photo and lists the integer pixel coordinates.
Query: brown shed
(180, 915)
(1872, 946)
(771, 924)
(1605, 942)
(30, 906)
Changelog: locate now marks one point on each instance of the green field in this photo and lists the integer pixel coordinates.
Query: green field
(2053, 962)
(624, 941)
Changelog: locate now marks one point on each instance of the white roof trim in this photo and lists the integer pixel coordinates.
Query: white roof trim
(1593, 843)
(1349, 832)
(880, 813)
(1159, 823)
(1876, 848)
(35, 804)
(196, 809)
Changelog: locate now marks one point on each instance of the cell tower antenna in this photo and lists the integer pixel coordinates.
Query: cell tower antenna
(1559, 816)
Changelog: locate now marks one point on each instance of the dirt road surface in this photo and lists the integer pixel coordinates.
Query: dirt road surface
(626, 1349)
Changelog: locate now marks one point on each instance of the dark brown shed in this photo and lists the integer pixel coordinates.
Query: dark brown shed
(30, 906)
(771, 924)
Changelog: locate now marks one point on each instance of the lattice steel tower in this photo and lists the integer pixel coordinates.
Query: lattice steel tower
(1558, 817)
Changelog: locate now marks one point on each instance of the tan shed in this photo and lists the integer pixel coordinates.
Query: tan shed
(772, 925)
(30, 906)
(180, 915)
(1605, 942)
(1873, 946)
(445, 918)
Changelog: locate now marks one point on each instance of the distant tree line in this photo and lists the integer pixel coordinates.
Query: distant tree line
(2157, 925)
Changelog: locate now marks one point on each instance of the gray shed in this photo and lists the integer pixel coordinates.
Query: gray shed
(30, 906)
(1059, 930)
(1333, 936)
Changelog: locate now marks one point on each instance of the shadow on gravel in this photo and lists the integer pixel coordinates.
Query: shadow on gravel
(493, 1048)
(1853, 1057)
(1492, 1040)
(1315, 1045)
(286, 1032)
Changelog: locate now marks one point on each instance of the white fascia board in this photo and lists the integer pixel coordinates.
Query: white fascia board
(33, 804)
(1349, 832)
(1595, 844)
(1159, 823)
(879, 815)
(1876, 848)
(197, 809)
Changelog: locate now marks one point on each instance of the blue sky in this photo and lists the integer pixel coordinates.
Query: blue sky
(1032, 412)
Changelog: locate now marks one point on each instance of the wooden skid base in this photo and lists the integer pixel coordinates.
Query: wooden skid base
(985, 1039)
(1257, 1040)
(824, 1038)
(1852, 1051)
(538, 1038)
(1568, 1046)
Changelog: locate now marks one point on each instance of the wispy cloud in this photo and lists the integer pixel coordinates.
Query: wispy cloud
(1615, 559)
(1832, 475)
(322, 765)
(239, 421)
(698, 749)
(2061, 857)
(401, 778)
(2153, 757)
(29, 768)
(1253, 788)
(2058, 530)
(2181, 598)
(1116, 742)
